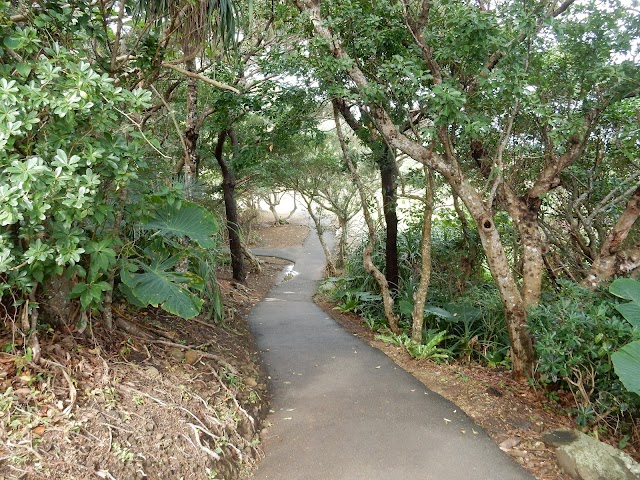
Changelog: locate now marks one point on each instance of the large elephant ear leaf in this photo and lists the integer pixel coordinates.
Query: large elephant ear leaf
(165, 289)
(628, 289)
(626, 362)
(185, 219)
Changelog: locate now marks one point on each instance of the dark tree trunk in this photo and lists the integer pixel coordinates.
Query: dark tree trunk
(389, 177)
(230, 207)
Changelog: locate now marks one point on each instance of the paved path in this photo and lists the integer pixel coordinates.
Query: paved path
(344, 411)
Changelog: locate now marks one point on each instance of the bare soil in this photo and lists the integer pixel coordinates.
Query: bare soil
(168, 399)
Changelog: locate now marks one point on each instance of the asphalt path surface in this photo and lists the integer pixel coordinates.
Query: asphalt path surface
(342, 410)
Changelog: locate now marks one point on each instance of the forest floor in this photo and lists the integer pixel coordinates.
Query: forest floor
(184, 399)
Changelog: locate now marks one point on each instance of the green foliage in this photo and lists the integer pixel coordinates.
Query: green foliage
(164, 269)
(576, 333)
(72, 200)
(66, 153)
(159, 285)
(429, 349)
(184, 219)
(474, 322)
(626, 360)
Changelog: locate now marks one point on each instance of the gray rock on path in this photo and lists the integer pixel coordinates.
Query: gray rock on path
(585, 458)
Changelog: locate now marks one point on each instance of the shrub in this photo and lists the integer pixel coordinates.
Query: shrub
(576, 331)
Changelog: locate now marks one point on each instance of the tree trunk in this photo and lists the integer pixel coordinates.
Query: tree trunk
(295, 207)
(253, 260)
(330, 269)
(231, 209)
(524, 213)
(387, 298)
(469, 260)
(388, 176)
(612, 260)
(420, 296)
(273, 203)
(343, 224)
(191, 132)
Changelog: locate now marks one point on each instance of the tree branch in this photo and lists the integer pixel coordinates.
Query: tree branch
(201, 77)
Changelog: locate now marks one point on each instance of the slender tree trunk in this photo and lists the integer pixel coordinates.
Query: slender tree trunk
(389, 176)
(295, 207)
(343, 224)
(420, 296)
(522, 357)
(191, 132)
(253, 260)
(231, 209)
(273, 203)
(330, 268)
(387, 298)
(470, 259)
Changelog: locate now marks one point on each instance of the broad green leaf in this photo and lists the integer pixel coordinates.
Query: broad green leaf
(406, 307)
(12, 42)
(159, 287)
(626, 362)
(438, 312)
(626, 288)
(23, 69)
(185, 220)
(631, 312)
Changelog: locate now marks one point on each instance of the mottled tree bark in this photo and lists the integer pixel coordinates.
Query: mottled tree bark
(420, 296)
(612, 259)
(524, 212)
(191, 133)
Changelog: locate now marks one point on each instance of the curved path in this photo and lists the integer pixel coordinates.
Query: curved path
(342, 410)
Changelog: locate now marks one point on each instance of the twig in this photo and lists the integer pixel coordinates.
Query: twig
(139, 127)
(233, 397)
(73, 393)
(173, 118)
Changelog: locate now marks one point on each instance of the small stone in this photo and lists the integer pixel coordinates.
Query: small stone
(251, 382)
(152, 372)
(176, 354)
(191, 357)
(509, 443)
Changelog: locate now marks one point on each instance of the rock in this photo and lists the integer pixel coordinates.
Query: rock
(152, 372)
(250, 382)
(191, 357)
(509, 443)
(176, 354)
(585, 458)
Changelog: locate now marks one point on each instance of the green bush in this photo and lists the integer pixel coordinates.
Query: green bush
(73, 203)
(576, 331)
